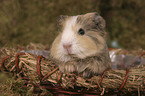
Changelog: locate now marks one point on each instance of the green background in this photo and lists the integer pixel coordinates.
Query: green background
(25, 21)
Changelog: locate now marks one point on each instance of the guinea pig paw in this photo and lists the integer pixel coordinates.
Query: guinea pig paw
(67, 68)
(87, 74)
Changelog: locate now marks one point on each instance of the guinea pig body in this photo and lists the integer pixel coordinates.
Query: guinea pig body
(81, 45)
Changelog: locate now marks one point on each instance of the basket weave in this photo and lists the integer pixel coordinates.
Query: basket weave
(42, 72)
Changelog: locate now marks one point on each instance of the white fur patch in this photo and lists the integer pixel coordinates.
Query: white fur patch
(68, 35)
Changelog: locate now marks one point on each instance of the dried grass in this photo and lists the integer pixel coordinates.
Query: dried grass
(112, 80)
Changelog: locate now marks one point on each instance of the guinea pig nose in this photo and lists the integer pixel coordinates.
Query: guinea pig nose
(67, 46)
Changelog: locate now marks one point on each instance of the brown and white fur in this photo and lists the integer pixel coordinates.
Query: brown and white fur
(88, 51)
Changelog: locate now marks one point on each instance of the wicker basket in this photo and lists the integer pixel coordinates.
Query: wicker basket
(43, 73)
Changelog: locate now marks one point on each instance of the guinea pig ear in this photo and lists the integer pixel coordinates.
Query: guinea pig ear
(91, 14)
(100, 22)
(61, 19)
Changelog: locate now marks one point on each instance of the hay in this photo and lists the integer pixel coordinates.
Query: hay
(112, 79)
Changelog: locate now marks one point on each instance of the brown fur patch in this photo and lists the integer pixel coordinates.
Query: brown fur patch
(55, 43)
(92, 22)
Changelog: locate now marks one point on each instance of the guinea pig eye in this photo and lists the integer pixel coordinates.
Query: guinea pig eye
(81, 31)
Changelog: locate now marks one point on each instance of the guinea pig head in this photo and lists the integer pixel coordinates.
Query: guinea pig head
(81, 36)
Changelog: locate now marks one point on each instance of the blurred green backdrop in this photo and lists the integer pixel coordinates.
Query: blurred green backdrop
(24, 21)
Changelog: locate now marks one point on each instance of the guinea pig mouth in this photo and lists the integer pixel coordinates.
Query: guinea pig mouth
(68, 52)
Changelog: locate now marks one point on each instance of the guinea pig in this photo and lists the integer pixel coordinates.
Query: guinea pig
(81, 45)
